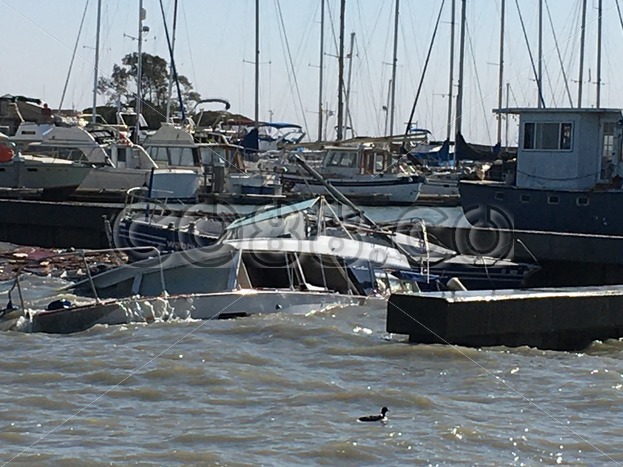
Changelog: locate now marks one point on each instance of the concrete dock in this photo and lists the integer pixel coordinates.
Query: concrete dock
(556, 319)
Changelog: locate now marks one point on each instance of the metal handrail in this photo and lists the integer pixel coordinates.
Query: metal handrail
(82, 253)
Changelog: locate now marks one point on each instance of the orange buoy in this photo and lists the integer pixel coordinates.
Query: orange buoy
(6, 153)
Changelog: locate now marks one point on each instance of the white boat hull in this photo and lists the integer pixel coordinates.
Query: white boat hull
(172, 183)
(220, 305)
(402, 190)
(41, 175)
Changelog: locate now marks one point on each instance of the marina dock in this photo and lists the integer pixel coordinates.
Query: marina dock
(555, 319)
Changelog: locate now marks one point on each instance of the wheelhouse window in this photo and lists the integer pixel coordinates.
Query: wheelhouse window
(172, 156)
(607, 151)
(342, 159)
(548, 136)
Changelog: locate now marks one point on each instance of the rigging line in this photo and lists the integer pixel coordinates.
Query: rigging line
(574, 25)
(525, 35)
(406, 44)
(73, 55)
(419, 89)
(551, 87)
(510, 88)
(332, 28)
(482, 100)
(366, 61)
(619, 12)
(303, 41)
(189, 42)
(296, 83)
(173, 67)
(562, 66)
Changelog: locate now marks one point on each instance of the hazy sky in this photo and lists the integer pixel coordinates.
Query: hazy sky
(215, 41)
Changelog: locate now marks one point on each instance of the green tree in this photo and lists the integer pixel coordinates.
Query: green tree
(121, 85)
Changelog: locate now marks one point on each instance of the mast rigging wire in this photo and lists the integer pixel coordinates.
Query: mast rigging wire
(73, 55)
(294, 78)
(562, 66)
(619, 11)
(481, 99)
(525, 35)
(177, 82)
(419, 89)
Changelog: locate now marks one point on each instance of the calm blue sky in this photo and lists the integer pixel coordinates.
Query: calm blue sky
(216, 38)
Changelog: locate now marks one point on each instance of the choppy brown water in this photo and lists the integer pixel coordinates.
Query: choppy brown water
(287, 389)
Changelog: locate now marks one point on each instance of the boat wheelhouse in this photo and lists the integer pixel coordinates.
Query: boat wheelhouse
(568, 175)
(364, 170)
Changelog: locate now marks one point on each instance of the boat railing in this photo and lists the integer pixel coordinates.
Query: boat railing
(138, 199)
(82, 254)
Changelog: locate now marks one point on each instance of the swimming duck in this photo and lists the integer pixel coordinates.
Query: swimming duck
(376, 418)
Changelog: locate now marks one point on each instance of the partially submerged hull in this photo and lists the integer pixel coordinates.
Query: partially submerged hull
(194, 306)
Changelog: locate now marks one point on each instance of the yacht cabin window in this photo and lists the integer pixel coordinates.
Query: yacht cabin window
(214, 156)
(342, 159)
(173, 156)
(548, 136)
(71, 154)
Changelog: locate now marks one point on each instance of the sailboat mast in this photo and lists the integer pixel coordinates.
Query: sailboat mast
(347, 92)
(459, 95)
(387, 107)
(501, 70)
(320, 109)
(392, 107)
(170, 90)
(257, 63)
(508, 89)
(598, 93)
(97, 61)
(540, 57)
(139, 65)
(582, 42)
(451, 79)
(340, 78)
